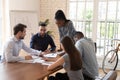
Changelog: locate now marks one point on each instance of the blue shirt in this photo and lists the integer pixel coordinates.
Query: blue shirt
(41, 43)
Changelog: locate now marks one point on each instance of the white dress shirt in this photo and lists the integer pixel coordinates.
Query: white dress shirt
(12, 49)
(87, 50)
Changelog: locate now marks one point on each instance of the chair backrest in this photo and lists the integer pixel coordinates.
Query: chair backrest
(111, 75)
(95, 47)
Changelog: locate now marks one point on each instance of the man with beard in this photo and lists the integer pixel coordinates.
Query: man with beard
(15, 44)
(41, 40)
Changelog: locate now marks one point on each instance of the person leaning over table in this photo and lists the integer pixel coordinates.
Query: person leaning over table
(86, 48)
(41, 40)
(65, 26)
(15, 44)
(71, 62)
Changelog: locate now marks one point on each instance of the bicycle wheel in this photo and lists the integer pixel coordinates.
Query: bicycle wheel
(110, 61)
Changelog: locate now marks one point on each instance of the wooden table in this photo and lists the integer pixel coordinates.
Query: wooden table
(24, 71)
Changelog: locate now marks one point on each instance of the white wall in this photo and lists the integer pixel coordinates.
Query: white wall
(16, 5)
(25, 5)
(48, 9)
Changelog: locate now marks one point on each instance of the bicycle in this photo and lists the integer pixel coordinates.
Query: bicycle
(111, 58)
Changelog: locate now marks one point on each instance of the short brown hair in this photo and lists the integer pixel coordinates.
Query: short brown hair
(19, 27)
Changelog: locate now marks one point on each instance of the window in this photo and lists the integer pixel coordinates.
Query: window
(0, 24)
(97, 19)
(4, 23)
(108, 24)
(81, 13)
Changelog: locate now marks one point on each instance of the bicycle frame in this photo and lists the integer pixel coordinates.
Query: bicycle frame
(112, 59)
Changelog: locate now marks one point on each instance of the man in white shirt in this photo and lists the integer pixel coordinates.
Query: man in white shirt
(15, 44)
(86, 48)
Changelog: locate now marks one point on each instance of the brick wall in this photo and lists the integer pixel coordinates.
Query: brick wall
(47, 11)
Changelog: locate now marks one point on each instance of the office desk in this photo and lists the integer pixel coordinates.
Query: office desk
(24, 71)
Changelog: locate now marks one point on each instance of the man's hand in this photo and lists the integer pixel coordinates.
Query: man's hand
(42, 54)
(47, 51)
(28, 57)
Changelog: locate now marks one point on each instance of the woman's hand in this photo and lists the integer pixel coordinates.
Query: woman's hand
(57, 63)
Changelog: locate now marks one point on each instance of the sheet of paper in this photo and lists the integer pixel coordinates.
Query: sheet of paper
(26, 61)
(39, 60)
(60, 52)
(31, 61)
(47, 63)
(52, 55)
(35, 57)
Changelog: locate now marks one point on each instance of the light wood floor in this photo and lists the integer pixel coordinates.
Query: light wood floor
(100, 73)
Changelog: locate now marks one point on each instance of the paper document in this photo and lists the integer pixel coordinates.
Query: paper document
(26, 61)
(60, 52)
(47, 63)
(37, 59)
(52, 55)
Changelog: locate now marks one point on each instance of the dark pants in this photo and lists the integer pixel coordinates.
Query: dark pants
(64, 76)
(87, 77)
(59, 76)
